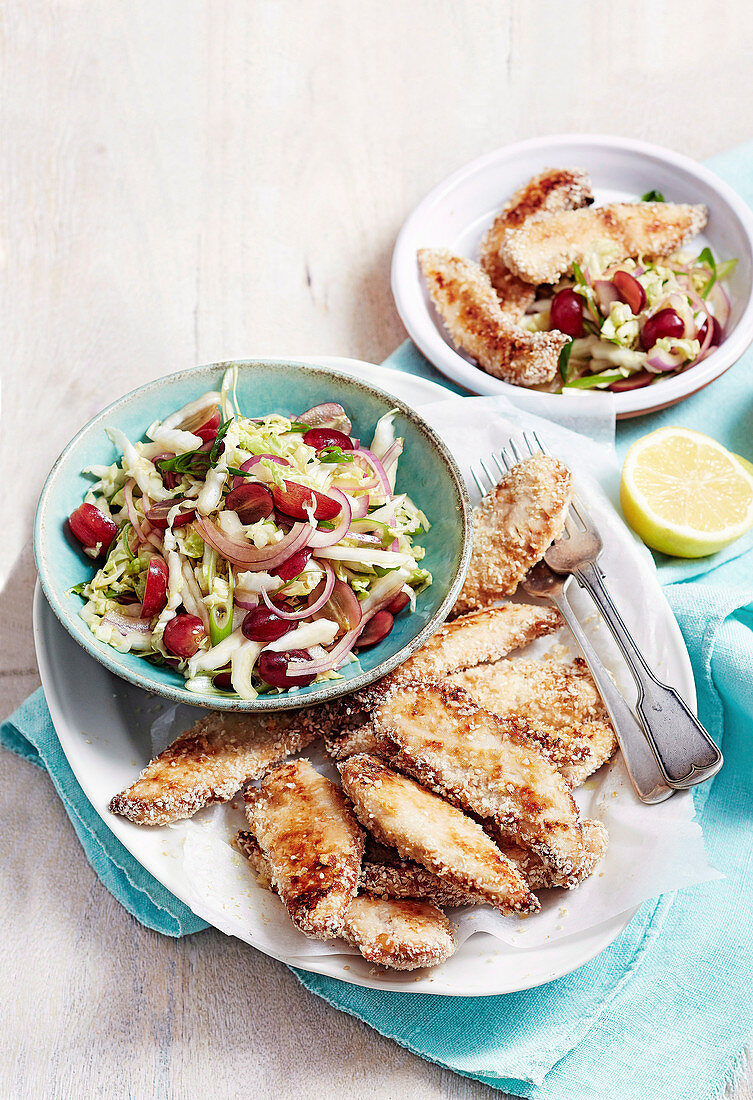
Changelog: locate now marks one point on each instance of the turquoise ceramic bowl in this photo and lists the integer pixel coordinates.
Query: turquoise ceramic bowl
(427, 471)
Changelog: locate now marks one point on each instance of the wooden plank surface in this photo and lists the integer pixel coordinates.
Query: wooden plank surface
(190, 180)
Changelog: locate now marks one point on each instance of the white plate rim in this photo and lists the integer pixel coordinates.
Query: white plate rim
(423, 330)
(327, 965)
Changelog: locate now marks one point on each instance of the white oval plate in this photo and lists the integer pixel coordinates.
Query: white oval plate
(457, 212)
(105, 733)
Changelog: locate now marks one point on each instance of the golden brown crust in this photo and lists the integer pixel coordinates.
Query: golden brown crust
(306, 830)
(513, 526)
(554, 190)
(426, 829)
(402, 935)
(392, 930)
(560, 702)
(209, 762)
(545, 247)
(475, 638)
(468, 305)
(491, 766)
(537, 874)
(385, 874)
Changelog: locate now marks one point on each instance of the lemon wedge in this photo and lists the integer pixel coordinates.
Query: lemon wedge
(685, 494)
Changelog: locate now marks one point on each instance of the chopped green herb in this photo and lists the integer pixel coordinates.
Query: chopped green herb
(707, 257)
(564, 360)
(216, 450)
(580, 278)
(196, 462)
(653, 196)
(297, 426)
(333, 455)
(78, 589)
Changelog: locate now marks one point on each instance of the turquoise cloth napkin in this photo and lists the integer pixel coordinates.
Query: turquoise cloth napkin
(667, 1008)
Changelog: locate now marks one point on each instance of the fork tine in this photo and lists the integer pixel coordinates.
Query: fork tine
(479, 483)
(499, 462)
(515, 448)
(539, 444)
(489, 475)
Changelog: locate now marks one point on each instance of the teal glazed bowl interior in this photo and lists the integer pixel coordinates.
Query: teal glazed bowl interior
(426, 471)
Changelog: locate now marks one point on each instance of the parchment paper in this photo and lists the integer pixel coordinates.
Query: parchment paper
(653, 849)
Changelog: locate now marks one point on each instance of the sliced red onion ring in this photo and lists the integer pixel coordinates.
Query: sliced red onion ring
(719, 299)
(337, 655)
(665, 360)
(359, 506)
(247, 604)
(606, 295)
(306, 612)
(328, 415)
(377, 469)
(321, 538)
(253, 461)
(241, 552)
(131, 509)
(391, 455)
(125, 624)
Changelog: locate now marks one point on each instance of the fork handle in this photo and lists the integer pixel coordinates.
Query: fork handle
(639, 759)
(684, 750)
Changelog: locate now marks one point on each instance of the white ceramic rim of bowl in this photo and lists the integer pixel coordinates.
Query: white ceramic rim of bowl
(411, 305)
(329, 690)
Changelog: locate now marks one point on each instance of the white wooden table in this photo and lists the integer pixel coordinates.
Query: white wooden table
(185, 181)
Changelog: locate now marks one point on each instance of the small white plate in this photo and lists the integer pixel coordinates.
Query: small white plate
(105, 733)
(457, 212)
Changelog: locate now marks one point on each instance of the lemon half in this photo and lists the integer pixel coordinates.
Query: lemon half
(685, 494)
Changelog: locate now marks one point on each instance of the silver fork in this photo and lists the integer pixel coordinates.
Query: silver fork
(543, 582)
(684, 751)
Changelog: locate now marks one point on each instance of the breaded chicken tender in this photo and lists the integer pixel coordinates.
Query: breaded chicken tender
(554, 190)
(426, 829)
(391, 930)
(560, 702)
(490, 766)
(513, 526)
(546, 247)
(305, 829)
(402, 935)
(468, 304)
(209, 762)
(385, 874)
(537, 874)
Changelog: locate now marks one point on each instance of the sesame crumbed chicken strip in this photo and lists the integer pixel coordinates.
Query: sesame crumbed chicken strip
(513, 526)
(490, 766)
(537, 874)
(545, 247)
(473, 639)
(385, 874)
(425, 828)
(209, 762)
(554, 190)
(561, 703)
(468, 304)
(402, 935)
(390, 930)
(307, 832)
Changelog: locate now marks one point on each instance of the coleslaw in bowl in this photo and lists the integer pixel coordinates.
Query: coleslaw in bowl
(255, 545)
